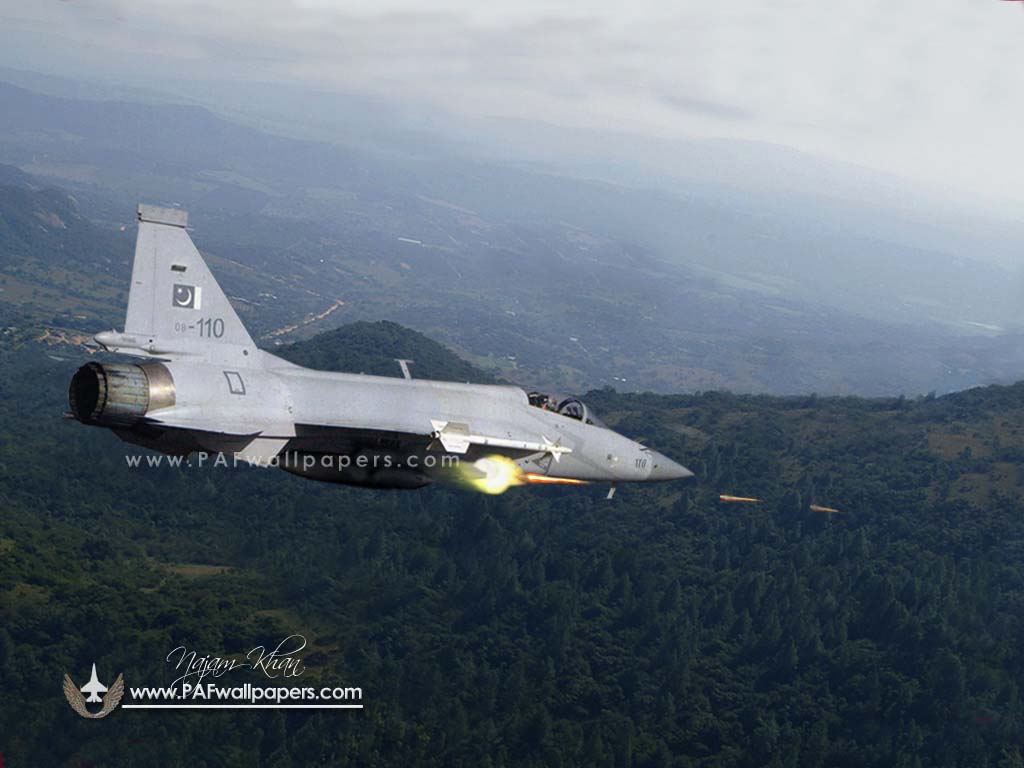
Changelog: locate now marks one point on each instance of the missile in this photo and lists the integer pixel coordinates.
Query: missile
(827, 510)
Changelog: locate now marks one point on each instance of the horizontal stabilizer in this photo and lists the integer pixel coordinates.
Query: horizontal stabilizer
(261, 451)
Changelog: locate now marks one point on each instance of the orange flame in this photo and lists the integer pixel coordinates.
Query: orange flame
(495, 474)
(492, 474)
(532, 477)
(826, 510)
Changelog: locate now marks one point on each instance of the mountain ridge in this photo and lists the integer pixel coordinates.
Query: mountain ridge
(664, 628)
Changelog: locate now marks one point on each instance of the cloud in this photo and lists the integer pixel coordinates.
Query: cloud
(924, 88)
(704, 106)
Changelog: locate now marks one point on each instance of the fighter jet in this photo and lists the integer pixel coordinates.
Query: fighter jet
(206, 387)
(94, 688)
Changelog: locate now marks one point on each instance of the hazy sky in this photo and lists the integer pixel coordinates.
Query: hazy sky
(928, 89)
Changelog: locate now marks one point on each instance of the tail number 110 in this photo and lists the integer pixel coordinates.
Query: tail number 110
(212, 328)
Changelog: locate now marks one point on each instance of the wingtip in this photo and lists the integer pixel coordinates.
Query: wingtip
(155, 214)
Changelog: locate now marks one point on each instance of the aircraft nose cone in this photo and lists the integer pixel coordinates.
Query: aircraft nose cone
(663, 468)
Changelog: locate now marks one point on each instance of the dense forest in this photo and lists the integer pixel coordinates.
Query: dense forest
(546, 626)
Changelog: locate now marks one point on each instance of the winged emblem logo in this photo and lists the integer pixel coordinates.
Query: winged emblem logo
(93, 688)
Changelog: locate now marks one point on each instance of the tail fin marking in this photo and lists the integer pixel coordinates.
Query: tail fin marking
(174, 301)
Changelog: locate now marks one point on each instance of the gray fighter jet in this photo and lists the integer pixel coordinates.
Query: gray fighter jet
(208, 388)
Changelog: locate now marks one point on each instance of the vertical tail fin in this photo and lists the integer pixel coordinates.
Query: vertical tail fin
(175, 306)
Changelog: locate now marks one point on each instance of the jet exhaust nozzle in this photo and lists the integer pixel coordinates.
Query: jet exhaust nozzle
(117, 395)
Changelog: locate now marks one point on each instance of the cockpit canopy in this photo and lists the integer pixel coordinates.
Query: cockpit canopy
(571, 407)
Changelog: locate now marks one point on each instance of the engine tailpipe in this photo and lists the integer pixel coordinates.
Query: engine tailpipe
(119, 395)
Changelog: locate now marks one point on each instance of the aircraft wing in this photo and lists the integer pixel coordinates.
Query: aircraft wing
(254, 443)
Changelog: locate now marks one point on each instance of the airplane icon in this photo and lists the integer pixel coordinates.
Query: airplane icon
(94, 688)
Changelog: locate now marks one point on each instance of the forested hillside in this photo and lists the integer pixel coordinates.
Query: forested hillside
(547, 626)
(375, 348)
(55, 265)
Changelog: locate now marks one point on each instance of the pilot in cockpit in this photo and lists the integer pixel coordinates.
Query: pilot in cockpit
(570, 407)
(540, 400)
